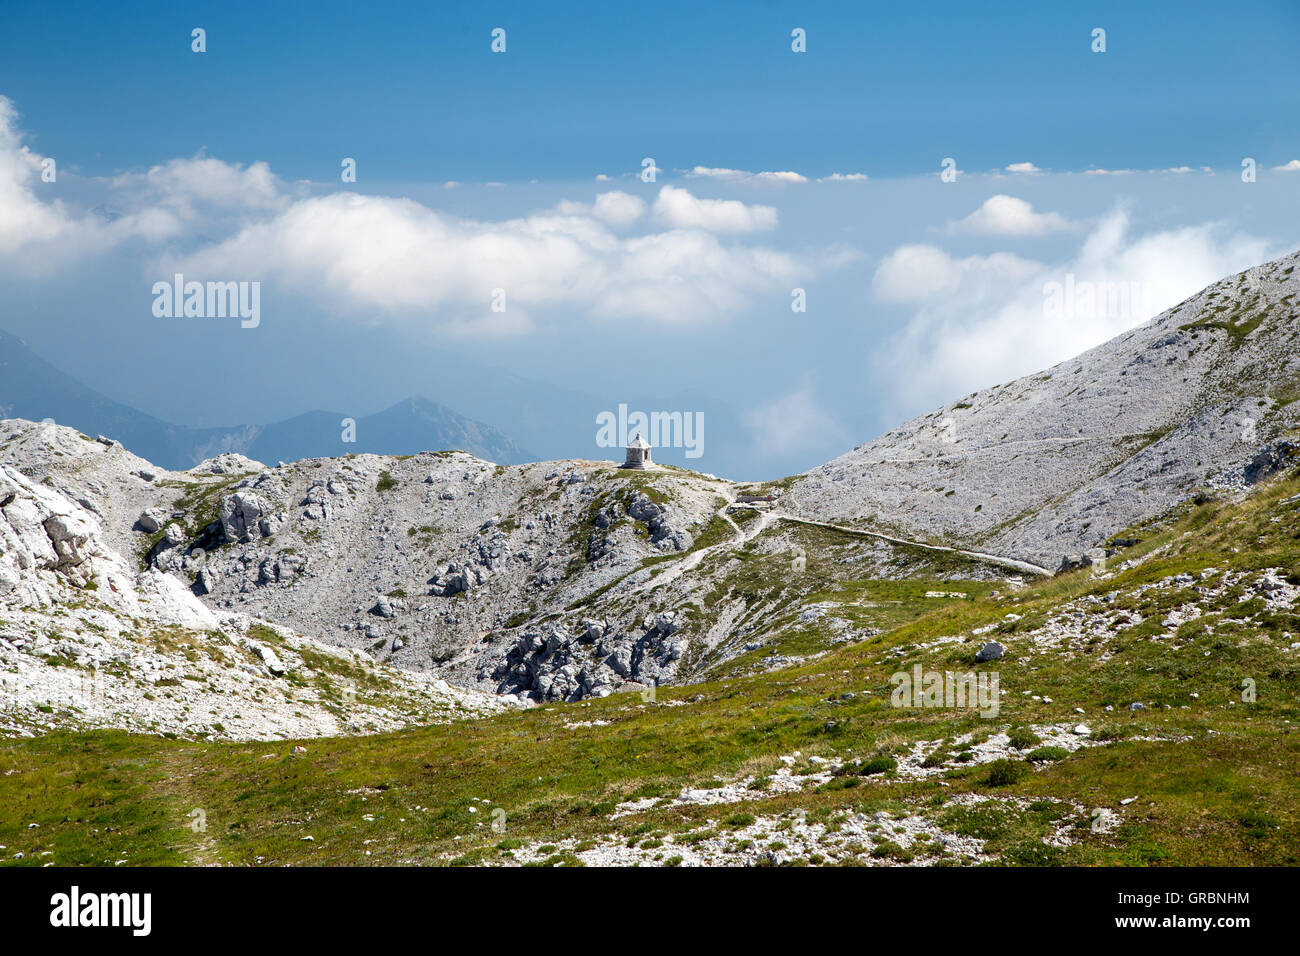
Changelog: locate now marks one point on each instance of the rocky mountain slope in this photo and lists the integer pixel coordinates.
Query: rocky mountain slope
(90, 637)
(1055, 463)
(32, 388)
(557, 580)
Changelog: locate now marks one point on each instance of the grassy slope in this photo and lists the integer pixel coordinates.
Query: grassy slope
(1217, 787)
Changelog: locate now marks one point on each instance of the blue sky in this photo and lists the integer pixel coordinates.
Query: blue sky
(414, 90)
(479, 170)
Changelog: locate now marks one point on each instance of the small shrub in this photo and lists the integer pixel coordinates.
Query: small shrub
(878, 765)
(1005, 772)
(936, 758)
(867, 768)
(1047, 754)
(1022, 738)
(889, 850)
(1032, 853)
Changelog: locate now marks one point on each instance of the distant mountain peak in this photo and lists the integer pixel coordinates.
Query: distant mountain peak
(34, 389)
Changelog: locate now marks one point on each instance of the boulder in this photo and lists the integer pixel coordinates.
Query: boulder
(1269, 460)
(273, 663)
(269, 525)
(151, 520)
(205, 582)
(241, 514)
(642, 508)
(69, 534)
(228, 463)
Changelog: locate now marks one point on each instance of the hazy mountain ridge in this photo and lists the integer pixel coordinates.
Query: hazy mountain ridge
(32, 388)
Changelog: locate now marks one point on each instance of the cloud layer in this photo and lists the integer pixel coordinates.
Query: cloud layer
(981, 320)
(394, 260)
(404, 262)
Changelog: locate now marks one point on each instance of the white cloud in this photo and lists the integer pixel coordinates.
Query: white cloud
(397, 261)
(38, 234)
(786, 177)
(1108, 172)
(715, 172)
(922, 273)
(844, 178)
(679, 209)
(619, 209)
(1023, 168)
(381, 259)
(184, 185)
(1291, 167)
(1003, 215)
(24, 219)
(602, 178)
(981, 332)
(794, 422)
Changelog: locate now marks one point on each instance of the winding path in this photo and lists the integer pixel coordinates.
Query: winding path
(1015, 563)
(769, 517)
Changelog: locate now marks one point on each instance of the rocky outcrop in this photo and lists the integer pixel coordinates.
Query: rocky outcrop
(242, 515)
(44, 537)
(592, 660)
(1270, 459)
(228, 463)
(454, 579)
(1072, 562)
(88, 639)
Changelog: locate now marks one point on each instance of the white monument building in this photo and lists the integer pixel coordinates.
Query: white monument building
(638, 453)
